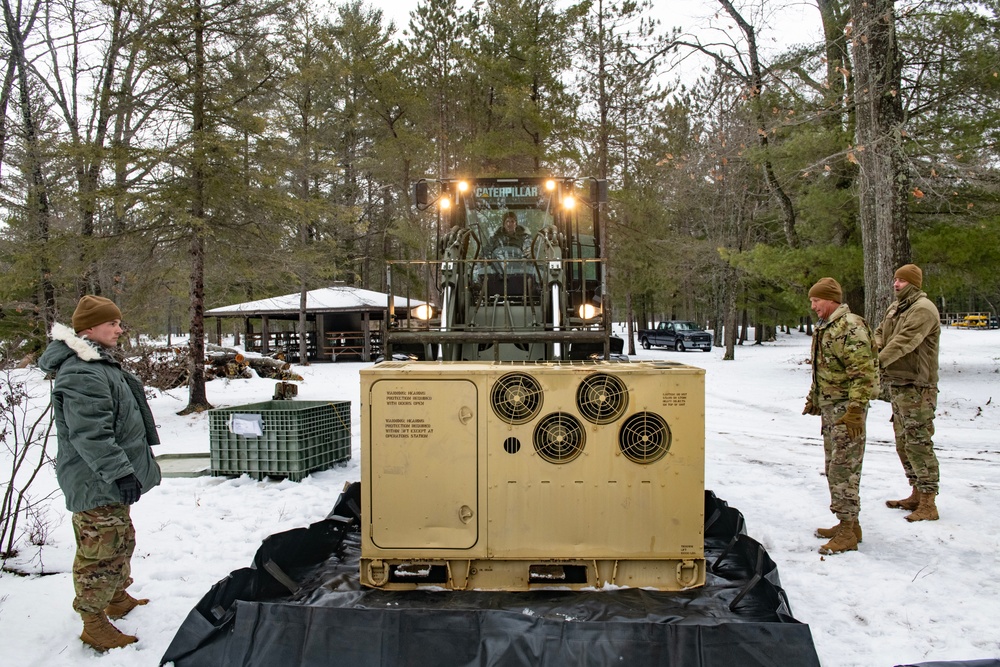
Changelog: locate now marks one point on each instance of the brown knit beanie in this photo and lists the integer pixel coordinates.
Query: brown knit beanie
(827, 288)
(94, 310)
(911, 273)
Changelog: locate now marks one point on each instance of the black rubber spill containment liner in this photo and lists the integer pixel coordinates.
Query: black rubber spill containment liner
(300, 603)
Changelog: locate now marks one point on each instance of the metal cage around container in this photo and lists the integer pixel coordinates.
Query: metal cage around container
(296, 438)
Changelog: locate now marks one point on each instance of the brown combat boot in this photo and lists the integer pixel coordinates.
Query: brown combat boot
(827, 533)
(100, 634)
(122, 603)
(926, 509)
(908, 504)
(844, 540)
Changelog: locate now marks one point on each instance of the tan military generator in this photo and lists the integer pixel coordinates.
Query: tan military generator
(525, 475)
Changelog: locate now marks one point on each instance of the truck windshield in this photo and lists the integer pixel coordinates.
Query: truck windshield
(686, 326)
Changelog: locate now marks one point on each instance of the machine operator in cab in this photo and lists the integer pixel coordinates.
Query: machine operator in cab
(510, 241)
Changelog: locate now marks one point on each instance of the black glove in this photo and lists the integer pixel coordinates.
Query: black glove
(129, 488)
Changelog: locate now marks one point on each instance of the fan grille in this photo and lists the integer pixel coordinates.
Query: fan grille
(516, 398)
(644, 437)
(559, 437)
(602, 398)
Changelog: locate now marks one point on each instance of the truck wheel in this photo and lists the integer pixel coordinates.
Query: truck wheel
(645, 343)
(679, 346)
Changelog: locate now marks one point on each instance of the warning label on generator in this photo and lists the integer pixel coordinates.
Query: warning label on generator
(416, 427)
(674, 399)
(404, 397)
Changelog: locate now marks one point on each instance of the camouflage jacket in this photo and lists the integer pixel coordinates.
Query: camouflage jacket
(844, 363)
(907, 339)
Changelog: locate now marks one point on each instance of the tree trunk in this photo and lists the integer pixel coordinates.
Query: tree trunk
(91, 162)
(835, 21)
(883, 180)
(630, 318)
(197, 398)
(731, 314)
(8, 86)
(303, 323)
(37, 197)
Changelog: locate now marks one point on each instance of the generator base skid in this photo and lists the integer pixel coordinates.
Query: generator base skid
(526, 475)
(301, 603)
(514, 575)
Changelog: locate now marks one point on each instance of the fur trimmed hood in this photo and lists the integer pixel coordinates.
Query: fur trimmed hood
(66, 344)
(83, 347)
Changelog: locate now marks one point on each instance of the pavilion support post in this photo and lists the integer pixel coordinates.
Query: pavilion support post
(366, 337)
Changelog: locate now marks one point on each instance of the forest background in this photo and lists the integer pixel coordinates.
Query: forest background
(175, 153)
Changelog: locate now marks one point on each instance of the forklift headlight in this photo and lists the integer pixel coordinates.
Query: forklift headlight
(588, 311)
(422, 312)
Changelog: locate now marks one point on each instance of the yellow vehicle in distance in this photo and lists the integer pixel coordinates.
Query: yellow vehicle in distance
(974, 322)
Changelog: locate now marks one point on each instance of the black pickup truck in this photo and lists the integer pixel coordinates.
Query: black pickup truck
(679, 334)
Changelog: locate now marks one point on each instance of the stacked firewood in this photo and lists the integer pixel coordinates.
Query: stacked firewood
(167, 367)
(231, 365)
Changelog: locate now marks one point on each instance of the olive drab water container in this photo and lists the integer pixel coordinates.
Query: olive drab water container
(525, 475)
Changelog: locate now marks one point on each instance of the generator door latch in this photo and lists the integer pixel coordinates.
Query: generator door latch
(465, 513)
(465, 414)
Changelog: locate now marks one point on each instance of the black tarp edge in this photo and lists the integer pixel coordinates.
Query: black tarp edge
(256, 615)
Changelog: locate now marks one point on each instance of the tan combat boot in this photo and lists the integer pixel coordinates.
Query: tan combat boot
(827, 533)
(100, 634)
(908, 504)
(844, 540)
(926, 509)
(122, 603)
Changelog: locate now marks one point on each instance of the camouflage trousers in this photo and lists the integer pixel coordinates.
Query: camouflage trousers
(843, 457)
(913, 422)
(105, 541)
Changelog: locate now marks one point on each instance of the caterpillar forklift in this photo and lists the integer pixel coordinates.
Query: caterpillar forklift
(533, 291)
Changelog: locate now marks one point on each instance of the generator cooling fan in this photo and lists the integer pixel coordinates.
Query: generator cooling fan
(516, 398)
(602, 398)
(644, 437)
(559, 437)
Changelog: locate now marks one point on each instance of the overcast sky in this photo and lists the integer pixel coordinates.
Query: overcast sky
(779, 23)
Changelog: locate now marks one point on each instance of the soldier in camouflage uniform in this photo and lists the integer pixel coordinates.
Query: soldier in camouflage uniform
(907, 340)
(104, 430)
(844, 380)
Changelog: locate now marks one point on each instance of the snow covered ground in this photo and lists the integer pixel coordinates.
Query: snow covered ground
(912, 593)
